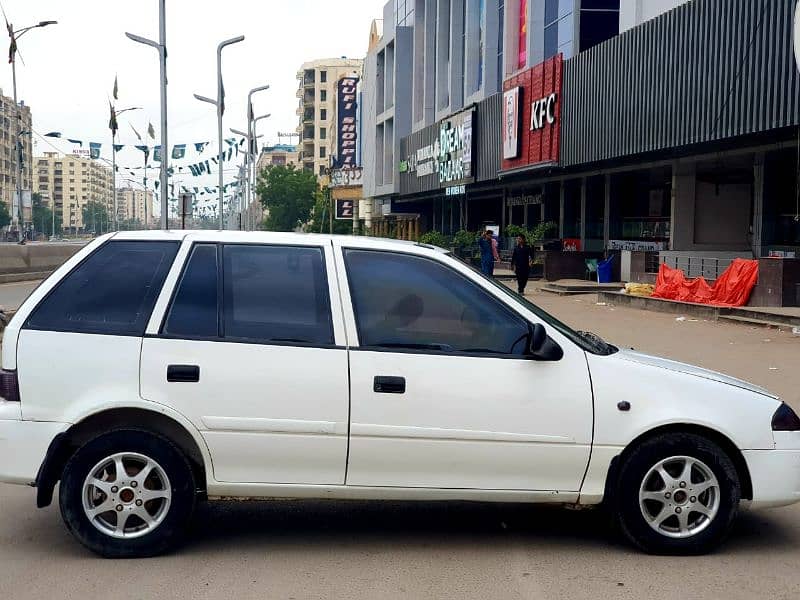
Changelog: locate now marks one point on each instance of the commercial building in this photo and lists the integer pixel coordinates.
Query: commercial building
(68, 182)
(134, 207)
(678, 138)
(437, 57)
(316, 93)
(636, 12)
(8, 171)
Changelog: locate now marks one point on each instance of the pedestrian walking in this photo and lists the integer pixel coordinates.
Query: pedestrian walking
(521, 259)
(487, 247)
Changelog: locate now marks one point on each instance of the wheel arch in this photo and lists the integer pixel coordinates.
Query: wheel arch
(713, 435)
(65, 444)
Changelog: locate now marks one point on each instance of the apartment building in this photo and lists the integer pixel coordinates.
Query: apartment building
(69, 182)
(280, 154)
(8, 173)
(134, 205)
(316, 93)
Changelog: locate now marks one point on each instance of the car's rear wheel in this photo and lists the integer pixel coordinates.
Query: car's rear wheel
(127, 493)
(677, 494)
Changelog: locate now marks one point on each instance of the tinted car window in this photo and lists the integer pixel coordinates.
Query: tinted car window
(406, 301)
(194, 311)
(276, 293)
(111, 292)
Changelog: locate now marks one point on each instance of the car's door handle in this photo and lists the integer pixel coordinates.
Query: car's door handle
(183, 373)
(389, 385)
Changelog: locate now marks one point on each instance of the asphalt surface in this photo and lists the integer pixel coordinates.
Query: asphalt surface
(302, 549)
(14, 294)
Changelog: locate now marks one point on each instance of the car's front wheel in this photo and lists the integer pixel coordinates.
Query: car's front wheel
(127, 493)
(677, 494)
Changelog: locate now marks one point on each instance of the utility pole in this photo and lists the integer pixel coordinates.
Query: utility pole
(220, 104)
(161, 46)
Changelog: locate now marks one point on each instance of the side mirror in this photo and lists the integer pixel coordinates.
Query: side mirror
(541, 346)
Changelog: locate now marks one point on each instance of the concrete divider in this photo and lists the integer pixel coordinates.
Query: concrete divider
(35, 257)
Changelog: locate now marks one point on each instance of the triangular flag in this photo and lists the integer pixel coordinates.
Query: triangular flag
(116, 89)
(138, 137)
(78, 142)
(150, 131)
(54, 134)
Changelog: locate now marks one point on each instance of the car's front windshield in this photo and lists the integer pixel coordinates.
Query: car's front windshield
(588, 341)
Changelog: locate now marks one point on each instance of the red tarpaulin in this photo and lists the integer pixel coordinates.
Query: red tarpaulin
(732, 288)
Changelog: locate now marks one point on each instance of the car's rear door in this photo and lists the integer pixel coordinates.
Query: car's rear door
(249, 348)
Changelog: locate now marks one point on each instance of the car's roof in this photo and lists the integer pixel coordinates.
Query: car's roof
(271, 237)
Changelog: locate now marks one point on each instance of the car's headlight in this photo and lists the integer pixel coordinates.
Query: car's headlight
(785, 419)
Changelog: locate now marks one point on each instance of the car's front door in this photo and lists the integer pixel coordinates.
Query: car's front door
(442, 393)
(247, 349)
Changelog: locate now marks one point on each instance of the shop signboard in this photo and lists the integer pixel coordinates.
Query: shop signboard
(571, 245)
(344, 209)
(346, 127)
(346, 177)
(539, 122)
(636, 246)
(525, 200)
(511, 116)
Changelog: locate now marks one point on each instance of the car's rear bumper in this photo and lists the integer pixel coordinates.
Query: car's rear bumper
(23, 446)
(776, 473)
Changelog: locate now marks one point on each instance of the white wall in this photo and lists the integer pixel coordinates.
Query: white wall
(636, 12)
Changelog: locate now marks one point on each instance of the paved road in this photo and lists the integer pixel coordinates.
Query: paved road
(301, 549)
(13, 294)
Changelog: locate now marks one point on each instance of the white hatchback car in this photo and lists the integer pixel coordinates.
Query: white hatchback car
(154, 369)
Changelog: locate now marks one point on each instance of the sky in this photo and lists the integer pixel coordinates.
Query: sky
(65, 72)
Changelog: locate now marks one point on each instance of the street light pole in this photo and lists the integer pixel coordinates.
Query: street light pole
(254, 183)
(15, 35)
(244, 198)
(250, 141)
(220, 104)
(161, 46)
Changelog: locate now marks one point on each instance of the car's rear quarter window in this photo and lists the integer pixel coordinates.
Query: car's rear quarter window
(112, 292)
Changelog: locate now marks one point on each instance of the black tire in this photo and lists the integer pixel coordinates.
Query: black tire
(635, 467)
(175, 518)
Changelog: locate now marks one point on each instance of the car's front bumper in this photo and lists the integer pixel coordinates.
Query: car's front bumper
(776, 473)
(23, 444)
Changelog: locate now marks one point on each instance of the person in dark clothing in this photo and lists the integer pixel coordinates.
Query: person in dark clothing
(487, 252)
(521, 260)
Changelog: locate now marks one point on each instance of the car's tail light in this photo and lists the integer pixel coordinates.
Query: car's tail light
(785, 419)
(9, 386)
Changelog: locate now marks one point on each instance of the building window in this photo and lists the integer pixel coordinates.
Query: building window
(323, 114)
(599, 21)
(322, 170)
(322, 151)
(323, 133)
(558, 25)
(323, 95)
(323, 76)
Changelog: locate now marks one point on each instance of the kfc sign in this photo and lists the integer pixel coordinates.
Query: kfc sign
(536, 93)
(543, 112)
(346, 126)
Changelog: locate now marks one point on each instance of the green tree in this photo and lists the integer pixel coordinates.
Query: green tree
(289, 195)
(321, 217)
(95, 216)
(43, 216)
(5, 216)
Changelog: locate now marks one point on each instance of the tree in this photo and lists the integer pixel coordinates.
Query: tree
(288, 194)
(321, 217)
(94, 215)
(43, 216)
(5, 216)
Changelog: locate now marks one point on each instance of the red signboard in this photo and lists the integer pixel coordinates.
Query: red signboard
(540, 108)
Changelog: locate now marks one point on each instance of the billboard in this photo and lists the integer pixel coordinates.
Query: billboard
(511, 117)
(346, 126)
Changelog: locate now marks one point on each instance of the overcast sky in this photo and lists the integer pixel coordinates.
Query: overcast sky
(69, 68)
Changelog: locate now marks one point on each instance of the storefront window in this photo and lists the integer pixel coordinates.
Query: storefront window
(780, 226)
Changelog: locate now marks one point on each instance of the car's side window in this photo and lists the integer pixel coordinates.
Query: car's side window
(275, 293)
(405, 301)
(194, 312)
(112, 292)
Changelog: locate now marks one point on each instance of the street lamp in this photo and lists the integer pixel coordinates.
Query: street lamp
(246, 197)
(161, 46)
(14, 36)
(114, 114)
(251, 141)
(254, 182)
(220, 104)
